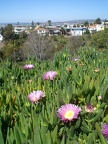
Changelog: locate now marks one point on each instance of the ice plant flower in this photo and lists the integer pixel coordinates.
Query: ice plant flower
(81, 64)
(99, 97)
(68, 112)
(50, 75)
(97, 70)
(29, 81)
(90, 108)
(35, 96)
(68, 68)
(105, 130)
(75, 59)
(28, 66)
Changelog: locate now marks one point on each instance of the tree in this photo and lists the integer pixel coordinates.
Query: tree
(33, 25)
(82, 25)
(98, 21)
(1, 30)
(38, 46)
(49, 22)
(13, 42)
(38, 23)
(18, 23)
(78, 25)
(74, 25)
(8, 32)
(105, 20)
(63, 30)
(91, 24)
(87, 31)
(86, 23)
(65, 26)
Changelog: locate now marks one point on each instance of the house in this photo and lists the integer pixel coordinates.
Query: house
(42, 31)
(78, 31)
(55, 31)
(96, 28)
(1, 38)
(105, 24)
(92, 28)
(50, 30)
(19, 29)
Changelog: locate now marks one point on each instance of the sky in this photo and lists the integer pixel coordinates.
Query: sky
(54, 10)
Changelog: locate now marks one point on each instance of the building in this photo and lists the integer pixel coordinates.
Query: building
(78, 31)
(19, 29)
(96, 27)
(42, 31)
(105, 24)
(48, 30)
(55, 31)
(1, 38)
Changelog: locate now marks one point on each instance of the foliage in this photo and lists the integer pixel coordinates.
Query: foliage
(24, 122)
(87, 31)
(98, 21)
(49, 22)
(86, 24)
(33, 25)
(60, 42)
(13, 45)
(74, 43)
(8, 32)
(63, 30)
(100, 39)
(38, 23)
(38, 46)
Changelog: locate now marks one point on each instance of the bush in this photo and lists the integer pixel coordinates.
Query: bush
(100, 39)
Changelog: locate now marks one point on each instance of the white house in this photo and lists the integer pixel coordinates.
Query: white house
(50, 30)
(1, 38)
(96, 28)
(78, 31)
(100, 27)
(19, 29)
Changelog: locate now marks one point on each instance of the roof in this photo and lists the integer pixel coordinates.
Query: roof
(42, 29)
(78, 28)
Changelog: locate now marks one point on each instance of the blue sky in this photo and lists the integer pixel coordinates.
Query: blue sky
(54, 10)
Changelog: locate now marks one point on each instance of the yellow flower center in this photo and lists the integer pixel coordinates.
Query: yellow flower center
(69, 114)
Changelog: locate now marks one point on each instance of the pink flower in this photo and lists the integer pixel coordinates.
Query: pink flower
(105, 130)
(50, 75)
(35, 96)
(29, 66)
(68, 112)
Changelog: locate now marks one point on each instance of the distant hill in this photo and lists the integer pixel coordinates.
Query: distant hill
(75, 21)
